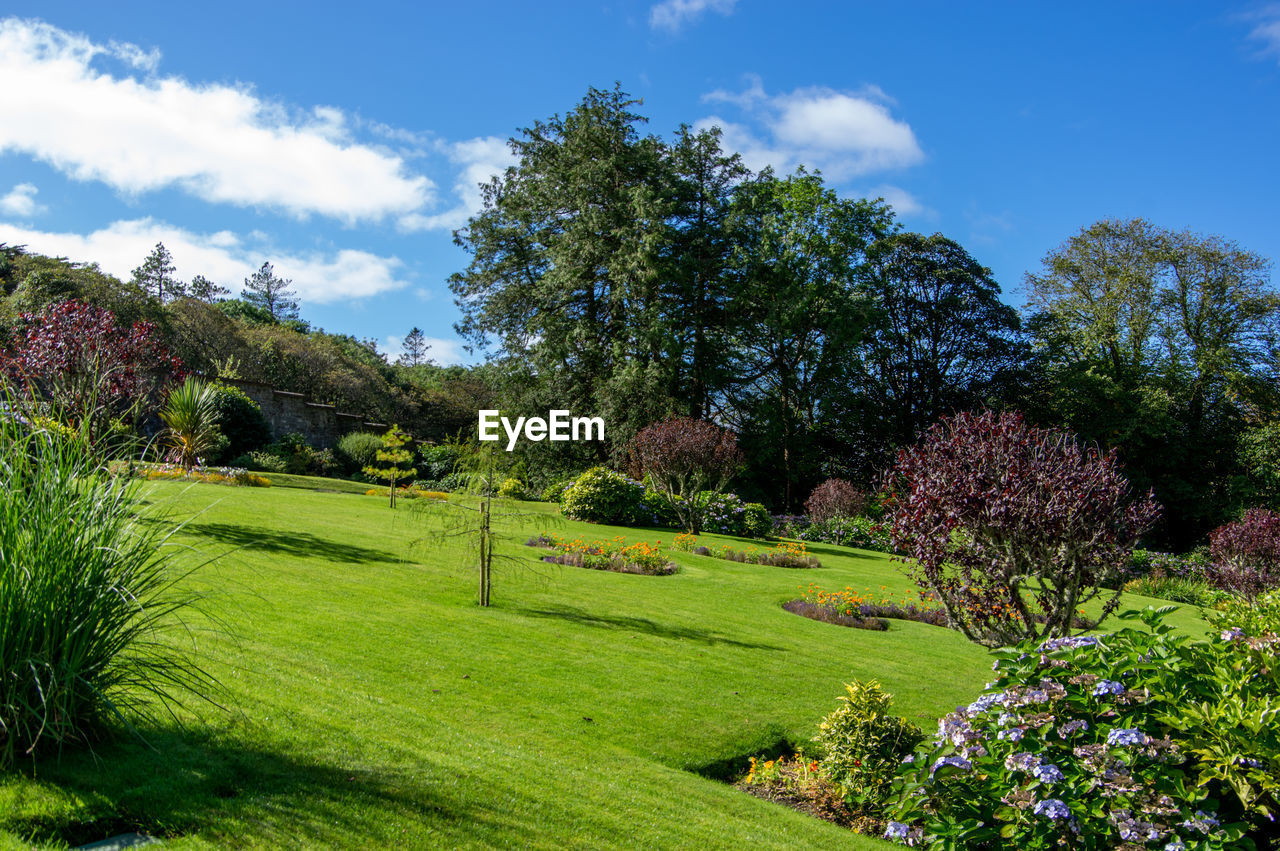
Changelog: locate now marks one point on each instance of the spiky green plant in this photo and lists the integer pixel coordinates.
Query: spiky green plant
(192, 419)
(86, 595)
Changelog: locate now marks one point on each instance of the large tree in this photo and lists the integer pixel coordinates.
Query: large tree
(938, 340)
(798, 252)
(564, 269)
(1160, 343)
(155, 276)
(265, 290)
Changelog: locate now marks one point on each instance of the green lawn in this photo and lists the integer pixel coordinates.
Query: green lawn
(370, 703)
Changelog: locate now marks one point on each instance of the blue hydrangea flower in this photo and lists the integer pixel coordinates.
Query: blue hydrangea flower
(1126, 737)
(982, 704)
(1013, 734)
(1047, 773)
(1203, 822)
(1070, 642)
(1052, 808)
(1108, 687)
(1176, 845)
(1072, 727)
(896, 830)
(1233, 634)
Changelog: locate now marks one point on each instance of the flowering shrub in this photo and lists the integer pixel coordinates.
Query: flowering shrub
(555, 491)
(602, 496)
(861, 532)
(987, 506)
(1245, 554)
(835, 498)
(1134, 739)
(616, 554)
(655, 510)
(863, 744)
(722, 513)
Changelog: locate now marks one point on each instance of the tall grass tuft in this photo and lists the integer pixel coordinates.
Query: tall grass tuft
(86, 596)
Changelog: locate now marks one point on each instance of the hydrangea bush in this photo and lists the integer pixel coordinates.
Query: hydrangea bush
(601, 495)
(1137, 739)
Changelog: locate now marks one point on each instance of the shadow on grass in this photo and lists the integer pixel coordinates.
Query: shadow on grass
(193, 783)
(644, 625)
(771, 743)
(299, 544)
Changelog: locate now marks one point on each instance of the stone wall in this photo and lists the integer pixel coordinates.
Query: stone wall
(286, 413)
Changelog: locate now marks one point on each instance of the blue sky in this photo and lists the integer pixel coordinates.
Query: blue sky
(343, 143)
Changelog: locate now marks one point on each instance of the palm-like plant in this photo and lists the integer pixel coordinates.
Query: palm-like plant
(192, 420)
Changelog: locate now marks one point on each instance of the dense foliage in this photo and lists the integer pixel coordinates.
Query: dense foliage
(688, 461)
(1140, 738)
(835, 498)
(1246, 553)
(1013, 528)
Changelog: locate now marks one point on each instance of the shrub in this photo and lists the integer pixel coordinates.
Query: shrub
(554, 492)
(264, 462)
(511, 489)
(684, 457)
(1125, 740)
(89, 366)
(756, 522)
(1245, 554)
(86, 597)
(437, 465)
(863, 744)
(989, 507)
(861, 532)
(358, 450)
(721, 513)
(601, 495)
(655, 510)
(240, 420)
(835, 498)
(1190, 590)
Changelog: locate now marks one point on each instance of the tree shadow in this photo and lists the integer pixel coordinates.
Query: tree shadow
(184, 782)
(299, 544)
(644, 625)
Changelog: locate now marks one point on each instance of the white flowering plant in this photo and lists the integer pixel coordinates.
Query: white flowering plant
(1136, 739)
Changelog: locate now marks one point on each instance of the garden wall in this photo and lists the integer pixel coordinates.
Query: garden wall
(286, 413)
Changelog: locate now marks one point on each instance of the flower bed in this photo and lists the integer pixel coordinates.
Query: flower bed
(235, 476)
(792, 554)
(408, 493)
(615, 555)
(863, 611)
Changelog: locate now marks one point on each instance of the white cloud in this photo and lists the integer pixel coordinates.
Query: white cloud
(139, 132)
(673, 14)
(845, 134)
(21, 202)
(902, 201)
(224, 257)
(479, 160)
(441, 351)
(1267, 28)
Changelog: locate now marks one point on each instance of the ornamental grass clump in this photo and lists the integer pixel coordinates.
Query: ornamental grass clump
(1011, 528)
(87, 597)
